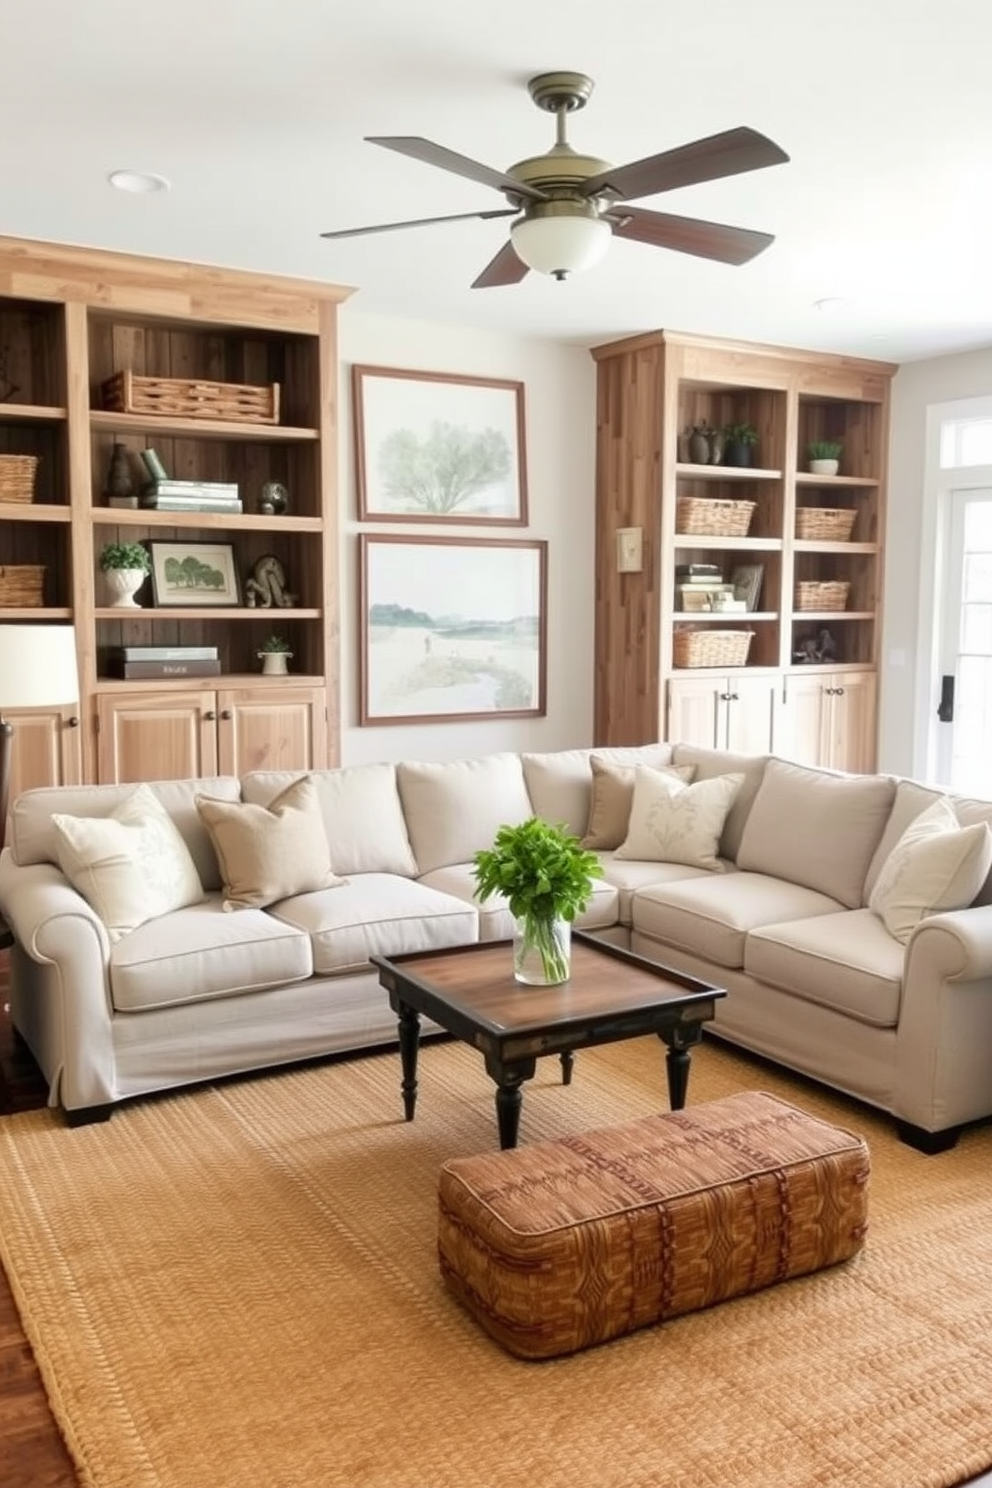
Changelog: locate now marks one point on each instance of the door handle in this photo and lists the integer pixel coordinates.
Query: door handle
(945, 708)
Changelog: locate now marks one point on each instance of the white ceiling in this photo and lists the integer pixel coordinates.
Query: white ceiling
(256, 110)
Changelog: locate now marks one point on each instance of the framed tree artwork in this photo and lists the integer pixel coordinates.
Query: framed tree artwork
(437, 447)
(452, 628)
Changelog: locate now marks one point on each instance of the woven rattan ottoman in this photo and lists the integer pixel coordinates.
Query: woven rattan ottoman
(562, 1244)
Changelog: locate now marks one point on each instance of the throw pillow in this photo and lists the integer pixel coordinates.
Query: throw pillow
(936, 865)
(130, 866)
(675, 823)
(610, 801)
(270, 852)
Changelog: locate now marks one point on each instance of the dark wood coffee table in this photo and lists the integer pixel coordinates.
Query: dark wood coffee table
(470, 991)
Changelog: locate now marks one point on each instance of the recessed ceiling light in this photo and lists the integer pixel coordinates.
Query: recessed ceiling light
(140, 183)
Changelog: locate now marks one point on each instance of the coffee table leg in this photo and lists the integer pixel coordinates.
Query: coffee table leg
(567, 1063)
(678, 1041)
(409, 1036)
(509, 1096)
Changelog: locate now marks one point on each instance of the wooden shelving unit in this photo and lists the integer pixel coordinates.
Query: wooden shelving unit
(69, 320)
(654, 389)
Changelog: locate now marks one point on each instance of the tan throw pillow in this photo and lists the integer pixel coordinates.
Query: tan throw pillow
(130, 866)
(936, 865)
(270, 852)
(675, 823)
(612, 794)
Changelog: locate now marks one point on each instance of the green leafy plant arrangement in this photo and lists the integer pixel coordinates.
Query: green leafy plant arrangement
(125, 555)
(545, 875)
(276, 643)
(740, 433)
(825, 449)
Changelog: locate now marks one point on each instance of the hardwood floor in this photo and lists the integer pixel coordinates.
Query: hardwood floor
(32, 1453)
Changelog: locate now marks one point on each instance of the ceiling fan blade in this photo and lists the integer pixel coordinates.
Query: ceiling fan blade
(381, 227)
(450, 160)
(727, 154)
(730, 245)
(505, 268)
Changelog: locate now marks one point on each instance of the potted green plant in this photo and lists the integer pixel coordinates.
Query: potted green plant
(824, 456)
(546, 877)
(739, 442)
(274, 653)
(124, 566)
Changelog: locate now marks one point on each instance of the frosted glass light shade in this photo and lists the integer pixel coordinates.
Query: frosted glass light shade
(560, 245)
(37, 666)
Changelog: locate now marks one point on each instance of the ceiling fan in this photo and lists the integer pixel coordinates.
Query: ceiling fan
(568, 206)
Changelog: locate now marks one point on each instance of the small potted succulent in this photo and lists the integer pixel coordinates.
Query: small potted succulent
(824, 456)
(124, 566)
(546, 877)
(274, 654)
(739, 441)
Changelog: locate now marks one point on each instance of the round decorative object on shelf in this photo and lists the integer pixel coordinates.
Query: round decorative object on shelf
(274, 499)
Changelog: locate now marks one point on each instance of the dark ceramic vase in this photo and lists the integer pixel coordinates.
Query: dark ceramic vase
(737, 454)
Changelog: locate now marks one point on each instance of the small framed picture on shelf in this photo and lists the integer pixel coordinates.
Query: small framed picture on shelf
(747, 580)
(187, 574)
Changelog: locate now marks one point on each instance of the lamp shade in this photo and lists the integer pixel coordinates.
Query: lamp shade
(37, 666)
(560, 244)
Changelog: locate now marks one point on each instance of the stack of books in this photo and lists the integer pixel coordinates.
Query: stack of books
(181, 495)
(700, 587)
(166, 661)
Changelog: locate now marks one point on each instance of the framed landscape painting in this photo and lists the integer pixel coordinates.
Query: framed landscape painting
(193, 573)
(436, 447)
(452, 628)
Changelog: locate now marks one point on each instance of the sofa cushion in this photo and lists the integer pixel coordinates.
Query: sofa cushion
(269, 852)
(612, 797)
(628, 876)
(847, 962)
(495, 919)
(711, 917)
(32, 836)
(454, 809)
(362, 814)
(377, 914)
(130, 866)
(708, 763)
(559, 784)
(202, 953)
(912, 798)
(936, 865)
(675, 823)
(816, 828)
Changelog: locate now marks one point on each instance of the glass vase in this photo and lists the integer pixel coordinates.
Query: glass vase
(542, 950)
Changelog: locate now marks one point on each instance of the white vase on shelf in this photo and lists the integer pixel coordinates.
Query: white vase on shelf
(121, 585)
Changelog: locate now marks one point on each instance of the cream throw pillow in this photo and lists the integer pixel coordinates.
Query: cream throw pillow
(675, 823)
(130, 866)
(936, 865)
(270, 852)
(610, 801)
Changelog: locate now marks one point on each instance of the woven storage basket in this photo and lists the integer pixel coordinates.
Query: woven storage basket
(17, 473)
(825, 523)
(822, 595)
(22, 584)
(710, 648)
(707, 516)
(188, 397)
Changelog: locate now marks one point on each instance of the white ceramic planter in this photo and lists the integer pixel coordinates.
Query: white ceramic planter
(275, 663)
(824, 467)
(121, 585)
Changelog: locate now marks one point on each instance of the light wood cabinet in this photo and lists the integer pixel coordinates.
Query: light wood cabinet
(730, 712)
(173, 735)
(771, 518)
(69, 320)
(45, 748)
(828, 718)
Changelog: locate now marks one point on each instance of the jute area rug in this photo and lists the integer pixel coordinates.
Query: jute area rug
(238, 1286)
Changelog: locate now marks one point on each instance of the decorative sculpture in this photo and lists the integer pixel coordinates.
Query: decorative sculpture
(267, 586)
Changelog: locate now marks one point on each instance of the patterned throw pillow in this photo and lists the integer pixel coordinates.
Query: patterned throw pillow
(936, 865)
(131, 866)
(675, 823)
(612, 795)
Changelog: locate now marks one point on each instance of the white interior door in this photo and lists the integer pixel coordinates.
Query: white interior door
(964, 704)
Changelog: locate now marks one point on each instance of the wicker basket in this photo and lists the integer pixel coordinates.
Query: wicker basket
(710, 648)
(188, 397)
(830, 594)
(17, 473)
(707, 516)
(825, 523)
(22, 585)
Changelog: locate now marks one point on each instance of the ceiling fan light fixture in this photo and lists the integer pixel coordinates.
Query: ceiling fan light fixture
(560, 243)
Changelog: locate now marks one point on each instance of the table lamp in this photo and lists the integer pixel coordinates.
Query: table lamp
(37, 670)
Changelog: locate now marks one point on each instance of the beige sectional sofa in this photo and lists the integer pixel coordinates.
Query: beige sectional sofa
(780, 883)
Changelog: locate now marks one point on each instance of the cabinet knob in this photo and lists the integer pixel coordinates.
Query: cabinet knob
(226, 715)
(726, 697)
(735, 697)
(839, 691)
(210, 715)
(73, 721)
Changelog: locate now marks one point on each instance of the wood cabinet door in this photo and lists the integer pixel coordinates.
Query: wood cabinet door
(751, 714)
(803, 713)
(697, 714)
(850, 727)
(271, 728)
(46, 748)
(156, 736)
